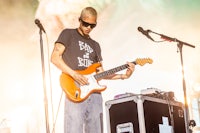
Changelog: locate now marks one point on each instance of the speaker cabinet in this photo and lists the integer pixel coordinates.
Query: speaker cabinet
(144, 114)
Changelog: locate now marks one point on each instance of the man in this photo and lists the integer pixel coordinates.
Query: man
(75, 50)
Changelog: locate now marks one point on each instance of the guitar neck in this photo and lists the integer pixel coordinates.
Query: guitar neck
(111, 71)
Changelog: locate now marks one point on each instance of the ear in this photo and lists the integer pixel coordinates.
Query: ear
(79, 19)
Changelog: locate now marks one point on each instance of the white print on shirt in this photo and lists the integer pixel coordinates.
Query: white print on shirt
(85, 60)
(85, 46)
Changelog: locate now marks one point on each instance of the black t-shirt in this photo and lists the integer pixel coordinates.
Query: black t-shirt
(80, 52)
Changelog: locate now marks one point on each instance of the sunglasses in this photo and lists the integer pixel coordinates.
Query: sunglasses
(85, 24)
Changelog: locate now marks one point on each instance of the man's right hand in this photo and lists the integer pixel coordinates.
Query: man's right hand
(81, 79)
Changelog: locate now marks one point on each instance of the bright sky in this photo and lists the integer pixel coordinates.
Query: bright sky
(21, 81)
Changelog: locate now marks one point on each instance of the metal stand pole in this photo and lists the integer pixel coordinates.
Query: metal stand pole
(44, 83)
(186, 109)
(180, 46)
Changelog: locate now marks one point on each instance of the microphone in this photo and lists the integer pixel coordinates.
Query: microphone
(145, 32)
(37, 22)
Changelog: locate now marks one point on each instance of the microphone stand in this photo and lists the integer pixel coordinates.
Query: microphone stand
(180, 46)
(44, 82)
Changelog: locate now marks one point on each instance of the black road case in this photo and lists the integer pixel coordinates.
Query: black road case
(144, 114)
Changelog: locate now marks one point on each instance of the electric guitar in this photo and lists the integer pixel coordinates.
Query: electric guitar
(78, 93)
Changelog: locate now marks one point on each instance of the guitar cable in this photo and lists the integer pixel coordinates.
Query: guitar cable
(171, 111)
(54, 123)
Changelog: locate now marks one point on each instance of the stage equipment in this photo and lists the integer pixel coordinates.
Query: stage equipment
(154, 92)
(144, 114)
(41, 28)
(180, 45)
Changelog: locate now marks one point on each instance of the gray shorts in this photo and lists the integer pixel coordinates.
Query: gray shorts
(84, 117)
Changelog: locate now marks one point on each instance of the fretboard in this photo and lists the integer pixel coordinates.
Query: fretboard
(111, 71)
